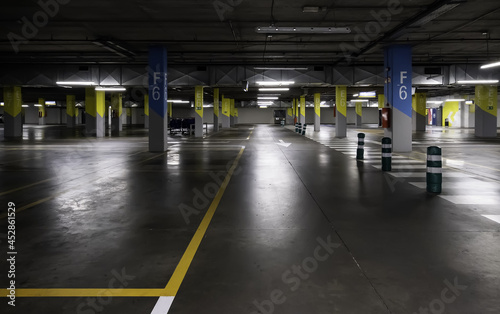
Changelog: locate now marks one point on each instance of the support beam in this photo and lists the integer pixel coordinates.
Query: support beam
(398, 65)
(13, 120)
(216, 109)
(158, 118)
(198, 106)
(226, 106)
(341, 107)
(317, 112)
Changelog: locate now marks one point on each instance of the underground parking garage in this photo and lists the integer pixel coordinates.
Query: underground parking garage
(249, 156)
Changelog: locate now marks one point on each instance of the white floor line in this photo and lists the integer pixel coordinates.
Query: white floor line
(163, 305)
(423, 174)
(403, 167)
(495, 218)
(471, 199)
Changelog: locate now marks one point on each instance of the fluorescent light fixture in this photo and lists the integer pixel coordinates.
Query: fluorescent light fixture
(76, 83)
(177, 101)
(438, 102)
(355, 95)
(280, 69)
(478, 82)
(310, 9)
(37, 105)
(368, 94)
(360, 100)
(450, 100)
(25, 106)
(135, 105)
(208, 106)
(111, 89)
(469, 102)
(322, 103)
(265, 103)
(275, 83)
(263, 107)
(268, 98)
(490, 65)
(302, 30)
(2, 104)
(50, 103)
(273, 89)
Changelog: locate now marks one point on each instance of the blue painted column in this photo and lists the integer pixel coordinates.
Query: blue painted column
(158, 118)
(397, 90)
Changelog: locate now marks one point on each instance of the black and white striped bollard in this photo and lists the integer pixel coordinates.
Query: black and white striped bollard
(360, 153)
(434, 169)
(304, 129)
(386, 154)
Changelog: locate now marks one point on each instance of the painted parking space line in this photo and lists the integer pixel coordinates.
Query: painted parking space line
(495, 218)
(25, 186)
(163, 305)
(471, 199)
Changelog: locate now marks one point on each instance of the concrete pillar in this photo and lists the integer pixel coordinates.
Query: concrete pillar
(295, 111)
(419, 116)
(471, 115)
(90, 111)
(302, 110)
(289, 116)
(216, 109)
(128, 112)
(146, 111)
(42, 111)
(486, 111)
(198, 106)
(397, 91)
(341, 115)
(236, 113)
(451, 115)
(13, 105)
(359, 113)
(231, 113)
(381, 104)
(158, 117)
(117, 111)
(100, 101)
(317, 112)
(226, 106)
(71, 111)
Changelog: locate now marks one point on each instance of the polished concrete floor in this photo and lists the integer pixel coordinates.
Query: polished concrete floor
(301, 227)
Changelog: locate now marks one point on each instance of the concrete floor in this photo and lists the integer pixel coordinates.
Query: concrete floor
(303, 228)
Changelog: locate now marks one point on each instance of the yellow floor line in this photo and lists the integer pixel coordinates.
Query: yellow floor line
(183, 266)
(68, 293)
(25, 187)
(179, 273)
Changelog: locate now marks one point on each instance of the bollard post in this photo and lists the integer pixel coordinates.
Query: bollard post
(296, 127)
(304, 129)
(299, 130)
(434, 175)
(386, 154)
(361, 146)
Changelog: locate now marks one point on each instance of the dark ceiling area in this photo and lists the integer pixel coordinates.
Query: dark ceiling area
(248, 33)
(225, 31)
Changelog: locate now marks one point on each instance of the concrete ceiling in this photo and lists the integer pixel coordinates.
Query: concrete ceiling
(223, 32)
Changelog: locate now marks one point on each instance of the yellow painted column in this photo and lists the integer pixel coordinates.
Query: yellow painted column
(231, 111)
(198, 106)
(216, 109)
(317, 112)
(226, 107)
(381, 101)
(13, 105)
(450, 113)
(486, 111)
(100, 101)
(341, 107)
(42, 111)
(359, 113)
(117, 111)
(146, 111)
(71, 111)
(419, 111)
(303, 110)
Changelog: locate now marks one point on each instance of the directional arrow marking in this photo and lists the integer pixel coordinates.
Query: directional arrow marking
(282, 143)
